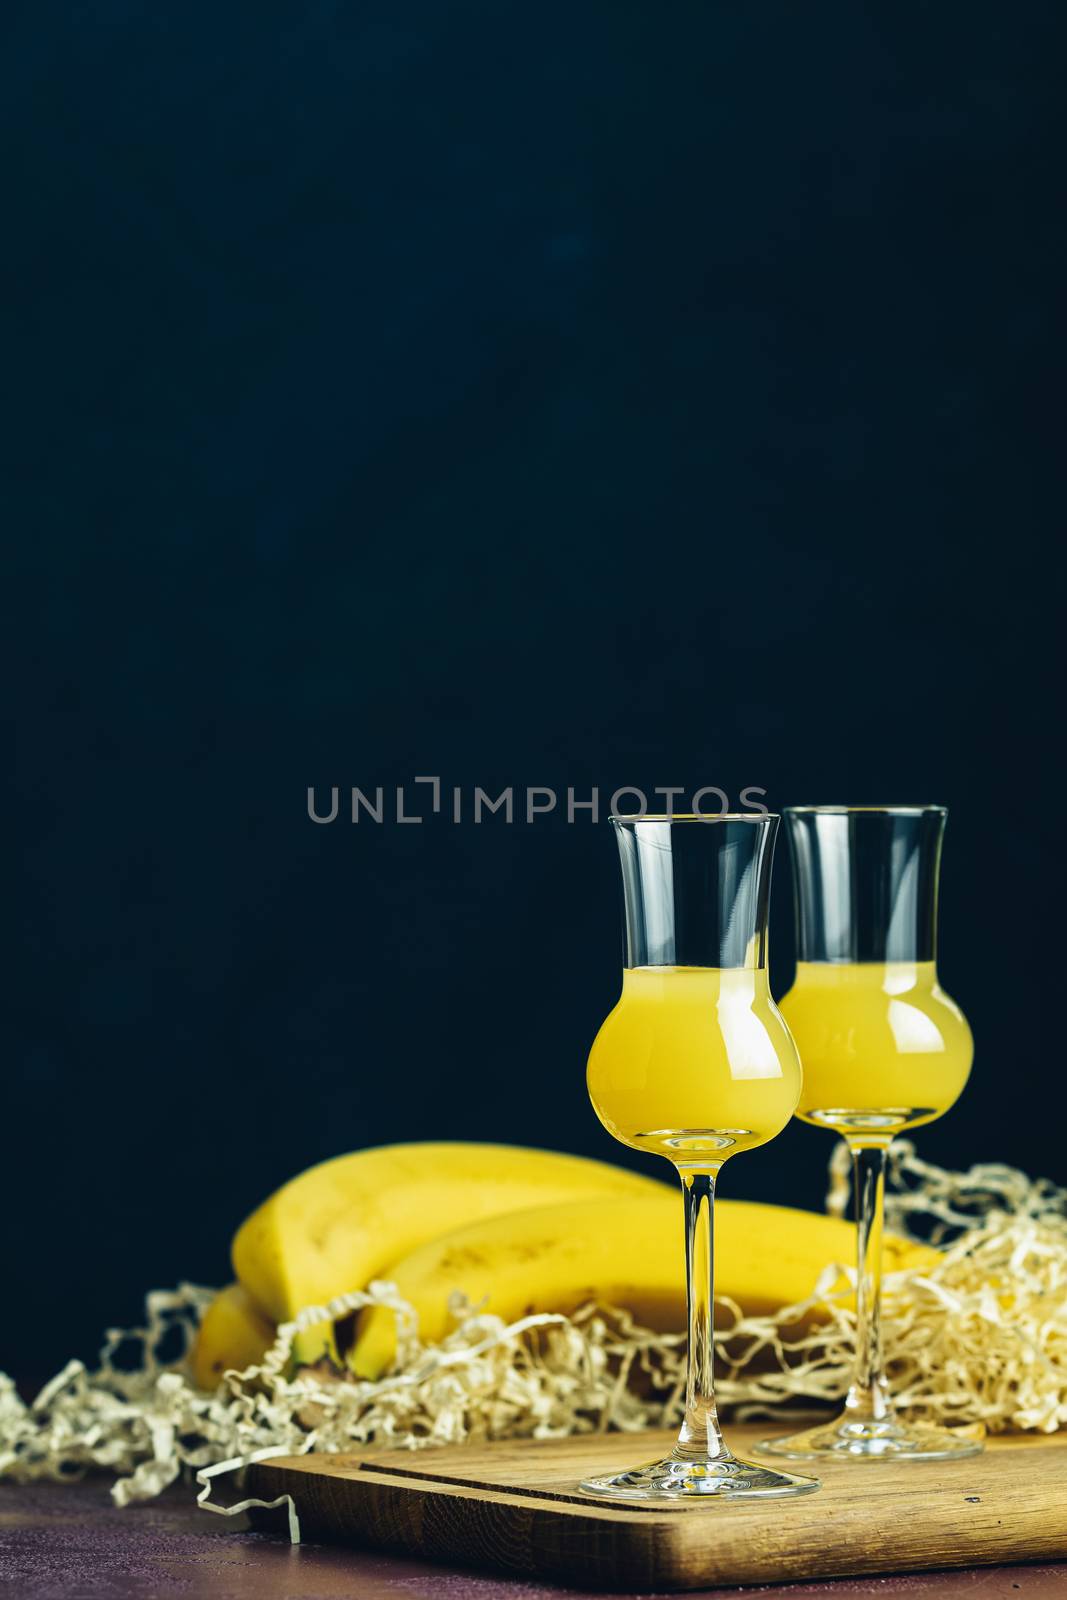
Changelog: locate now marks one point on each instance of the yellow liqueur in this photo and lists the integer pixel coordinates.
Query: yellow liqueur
(884, 1047)
(694, 1060)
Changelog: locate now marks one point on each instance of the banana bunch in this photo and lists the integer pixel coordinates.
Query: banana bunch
(522, 1230)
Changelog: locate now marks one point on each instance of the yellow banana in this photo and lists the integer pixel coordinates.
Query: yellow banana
(233, 1333)
(622, 1252)
(340, 1224)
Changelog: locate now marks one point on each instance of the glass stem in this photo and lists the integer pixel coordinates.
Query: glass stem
(701, 1436)
(868, 1398)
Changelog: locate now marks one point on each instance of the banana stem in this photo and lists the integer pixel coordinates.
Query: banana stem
(868, 1397)
(700, 1436)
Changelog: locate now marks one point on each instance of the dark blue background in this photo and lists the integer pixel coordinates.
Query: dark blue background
(602, 393)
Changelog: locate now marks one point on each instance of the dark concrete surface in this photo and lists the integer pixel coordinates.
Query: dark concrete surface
(69, 1542)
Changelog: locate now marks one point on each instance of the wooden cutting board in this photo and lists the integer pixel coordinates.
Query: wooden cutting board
(516, 1507)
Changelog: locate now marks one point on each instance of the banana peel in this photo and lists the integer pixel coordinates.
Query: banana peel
(233, 1333)
(516, 1229)
(558, 1257)
(341, 1224)
(627, 1253)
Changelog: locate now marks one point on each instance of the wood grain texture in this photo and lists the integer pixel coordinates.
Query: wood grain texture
(515, 1507)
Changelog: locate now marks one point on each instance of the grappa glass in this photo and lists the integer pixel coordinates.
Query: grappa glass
(883, 1049)
(696, 1064)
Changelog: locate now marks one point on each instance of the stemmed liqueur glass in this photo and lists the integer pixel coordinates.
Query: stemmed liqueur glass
(696, 1064)
(883, 1049)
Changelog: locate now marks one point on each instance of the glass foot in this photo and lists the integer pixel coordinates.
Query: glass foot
(683, 1478)
(868, 1440)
